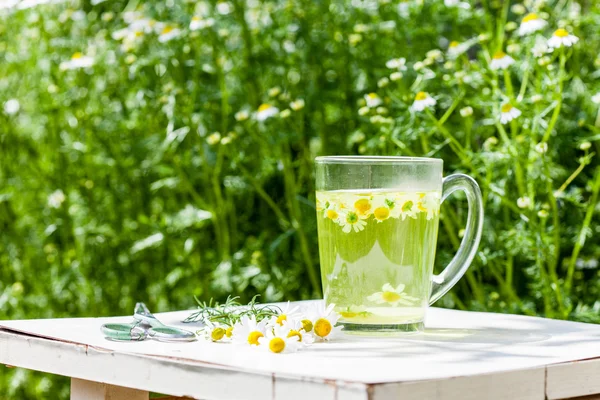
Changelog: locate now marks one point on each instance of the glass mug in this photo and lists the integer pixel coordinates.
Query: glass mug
(378, 222)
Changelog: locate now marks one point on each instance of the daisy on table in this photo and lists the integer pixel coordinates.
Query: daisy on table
(288, 312)
(423, 101)
(501, 60)
(531, 23)
(508, 112)
(562, 38)
(278, 340)
(323, 321)
(248, 331)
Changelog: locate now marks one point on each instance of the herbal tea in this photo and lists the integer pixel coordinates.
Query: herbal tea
(377, 250)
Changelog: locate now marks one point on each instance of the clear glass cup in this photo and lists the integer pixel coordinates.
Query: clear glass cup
(378, 221)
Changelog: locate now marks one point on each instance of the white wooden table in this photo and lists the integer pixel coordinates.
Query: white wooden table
(462, 355)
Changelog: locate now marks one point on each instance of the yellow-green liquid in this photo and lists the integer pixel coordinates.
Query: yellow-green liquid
(377, 250)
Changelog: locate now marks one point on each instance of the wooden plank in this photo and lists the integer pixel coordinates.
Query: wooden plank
(514, 385)
(573, 379)
(88, 390)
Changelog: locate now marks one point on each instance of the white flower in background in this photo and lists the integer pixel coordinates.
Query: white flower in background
(297, 105)
(224, 7)
(373, 100)
(78, 60)
(56, 199)
(397, 64)
(541, 147)
(435, 55)
(285, 113)
(392, 296)
(266, 111)
(508, 113)
(351, 220)
(12, 106)
(6, 4)
(169, 33)
(364, 111)
(396, 76)
(596, 98)
(524, 202)
(531, 23)
(247, 331)
(501, 60)
(466, 111)
(213, 138)
(455, 48)
(242, 115)
(288, 312)
(323, 322)
(540, 49)
(277, 340)
(199, 23)
(490, 143)
(562, 38)
(422, 101)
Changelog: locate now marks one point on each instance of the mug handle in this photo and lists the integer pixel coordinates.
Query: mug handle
(443, 282)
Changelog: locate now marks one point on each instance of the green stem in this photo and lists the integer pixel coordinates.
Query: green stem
(556, 112)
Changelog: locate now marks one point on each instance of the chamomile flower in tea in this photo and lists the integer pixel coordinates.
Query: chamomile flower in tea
(393, 296)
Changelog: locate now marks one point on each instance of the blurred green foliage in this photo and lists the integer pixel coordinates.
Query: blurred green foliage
(137, 163)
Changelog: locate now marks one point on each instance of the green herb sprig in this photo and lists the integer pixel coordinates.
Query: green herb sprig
(231, 311)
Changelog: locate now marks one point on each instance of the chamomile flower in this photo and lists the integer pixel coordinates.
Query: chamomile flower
(501, 60)
(428, 203)
(363, 207)
(242, 115)
(288, 312)
(531, 23)
(508, 113)
(455, 48)
(77, 61)
(423, 101)
(351, 220)
(323, 322)
(381, 210)
(296, 327)
(524, 202)
(373, 100)
(276, 340)
(332, 212)
(407, 206)
(392, 296)
(198, 23)
(562, 38)
(215, 332)
(248, 331)
(168, 33)
(266, 111)
(398, 64)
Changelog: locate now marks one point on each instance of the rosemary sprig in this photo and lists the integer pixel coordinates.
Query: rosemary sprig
(231, 311)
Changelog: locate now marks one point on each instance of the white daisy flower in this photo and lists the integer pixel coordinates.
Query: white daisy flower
(398, 64)
(323, 322)
(501, 60)
(428, 203)
(169, 33)
(215, 332)
(508, 113)
(266, 111)
(198, 23)
(56, 199)
(288, 312)
(562, 38)
(422, 101)
(373, 100)
(531, 23)
(455, 48)
(277, 340)
(392, 296)
(332, 212)
(381, 209)
(296, 327)
(78, 60)
(247, 331)
(396, 76)
(351, 220)
(12, 106)
(407, 206)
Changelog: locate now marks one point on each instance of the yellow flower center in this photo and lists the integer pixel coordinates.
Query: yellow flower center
(254, 336)
(139, 33)
(264, 107)
(372, 96)
(281, 318)
(323, 327)
(499, 55)
(530, 17)
(362, 206)
(332, 214)
(196, 18)
(217, 334)
(293, 333)
(390, 297)
(506, 107)
(77, 56)
(229, 332)
(167, 30)
(348, 314)
(307, 325)
(561, 33)
(277, 345)
(420, 206)
(421, 96)
(381, 213)
(453, 44)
